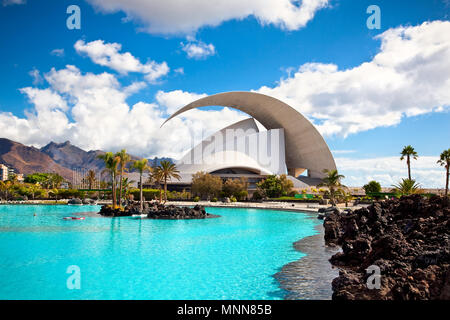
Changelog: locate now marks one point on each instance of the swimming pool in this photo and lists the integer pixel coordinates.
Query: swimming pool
(231, 257)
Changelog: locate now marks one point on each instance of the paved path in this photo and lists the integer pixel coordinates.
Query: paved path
(305, 207)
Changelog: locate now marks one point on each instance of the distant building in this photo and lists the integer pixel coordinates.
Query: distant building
(11, 173)
(4, 174)
(64, 185)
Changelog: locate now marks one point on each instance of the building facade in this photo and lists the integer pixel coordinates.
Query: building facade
(4, 174)
(289, 144)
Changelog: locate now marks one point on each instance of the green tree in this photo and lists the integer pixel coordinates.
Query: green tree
(236, 187)
(275, 186)
(157, 178)
(444, 160)
(45, 180)
(286, 184)
(141, 166)
(408, 152)
(5, 188)
(206, 185)
(332, 180)
(33, 189)
(406, 186)
(55, 180)
(54, 192)
(126, 185)
(124, 158)
(168, 171)
(36, 177)
(372, 187)
(111, 164)
(91, 179)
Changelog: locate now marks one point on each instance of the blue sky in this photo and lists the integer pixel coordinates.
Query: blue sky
(242, 47)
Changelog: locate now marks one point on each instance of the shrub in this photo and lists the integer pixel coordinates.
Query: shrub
(372, 187)
(275, 186)
(257, 195)
(148, 194)
(235, 187)
(214, 200)
(233, 199)
(196, 199)
(206, 185)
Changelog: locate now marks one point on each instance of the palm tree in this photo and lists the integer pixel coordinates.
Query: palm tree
(126, 185)
(157, 178)
(91, 178)
(33, 188)
(445, 161)
(124, 159)
(333, 182)
(111, 164)
(408, 152)
(168, 170)
(406, 186)
(5, 186)
(141, 166)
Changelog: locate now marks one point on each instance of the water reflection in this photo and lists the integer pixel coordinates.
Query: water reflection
(311, 276)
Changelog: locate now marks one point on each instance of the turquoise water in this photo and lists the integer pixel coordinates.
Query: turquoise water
(231, 257)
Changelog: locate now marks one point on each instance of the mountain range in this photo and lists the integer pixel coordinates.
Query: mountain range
(62, 158)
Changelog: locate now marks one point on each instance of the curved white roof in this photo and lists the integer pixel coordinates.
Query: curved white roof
(305, 147)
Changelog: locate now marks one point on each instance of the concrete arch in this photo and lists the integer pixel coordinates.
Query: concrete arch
(305, 146)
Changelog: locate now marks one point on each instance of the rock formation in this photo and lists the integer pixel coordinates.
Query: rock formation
(407, 238)
(157, 211)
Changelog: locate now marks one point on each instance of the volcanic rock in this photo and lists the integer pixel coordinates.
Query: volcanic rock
(407, 238)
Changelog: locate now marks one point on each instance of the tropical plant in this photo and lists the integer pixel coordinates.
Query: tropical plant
(372, 187)
(156, 178)
(36, 177)
(33, 189)
(55, 180)
(286, 184)
(91, 178)
(5, 187)
(236, 187)
(408, 152)
(111, 164)
(444, 160)
(141, 166)
(168, 170)
(206, 185)
(45, 180)
(54, 192)
(275, 186)
(126, 185)
(332, 180)
(124, 158)
(406, 186)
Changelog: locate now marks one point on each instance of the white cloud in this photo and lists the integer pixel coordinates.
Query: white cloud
(408, 77)
(196, 49)
(108, 55)
(36, 75)
(179, 70)
(390, 170)
(186, 17)
(13, 2)
(100, 117)
(57, 52)
(176, 99)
